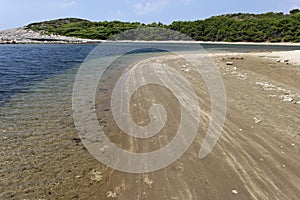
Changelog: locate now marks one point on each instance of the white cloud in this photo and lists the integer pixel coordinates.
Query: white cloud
(149, 7)
(68, 4)
(64, 4)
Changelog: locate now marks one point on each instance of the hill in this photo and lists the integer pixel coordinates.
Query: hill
(240, 27)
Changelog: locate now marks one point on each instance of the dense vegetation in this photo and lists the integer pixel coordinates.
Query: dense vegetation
(267, 27)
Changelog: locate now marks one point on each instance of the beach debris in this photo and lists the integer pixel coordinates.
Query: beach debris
(286, 95)
(96, 176)
(111, 194)
(266, 85)
(239, 75)
(281, 146)
(280, 60)
(148, 182)
(229, 63)
(283, 165)
(293, 144)
(288, 98)
(234, 191)
(186, 70)
(257, 120)
(184, 66)
(237, 58)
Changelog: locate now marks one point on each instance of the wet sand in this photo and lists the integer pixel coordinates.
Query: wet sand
(256, 157)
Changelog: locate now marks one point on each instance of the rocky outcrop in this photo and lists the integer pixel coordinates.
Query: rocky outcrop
(26, 36)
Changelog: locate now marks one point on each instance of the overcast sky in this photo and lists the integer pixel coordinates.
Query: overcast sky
(16, 13)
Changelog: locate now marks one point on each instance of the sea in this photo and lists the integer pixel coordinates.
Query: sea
(36, 80)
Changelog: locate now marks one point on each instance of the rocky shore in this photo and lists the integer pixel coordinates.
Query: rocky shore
(25, 36)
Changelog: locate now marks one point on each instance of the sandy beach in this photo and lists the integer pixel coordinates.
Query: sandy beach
(256, 157)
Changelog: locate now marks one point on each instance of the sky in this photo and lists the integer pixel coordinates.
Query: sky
(16, 13)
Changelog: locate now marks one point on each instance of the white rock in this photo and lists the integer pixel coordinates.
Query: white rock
(234, 191)
(287, 98)
(96, 176)
(256, 120)
(148, 182)
(111, 194)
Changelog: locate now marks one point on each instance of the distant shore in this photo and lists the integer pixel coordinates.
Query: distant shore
(210, 42)
(26, 36)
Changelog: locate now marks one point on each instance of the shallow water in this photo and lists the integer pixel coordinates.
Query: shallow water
(36, 80)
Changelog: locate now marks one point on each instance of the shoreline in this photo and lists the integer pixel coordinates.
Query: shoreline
(288, 57)
(209, 42)
(26, 36)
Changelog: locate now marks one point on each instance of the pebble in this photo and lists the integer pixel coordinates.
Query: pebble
(283, 166)
(234, 191)
(293, 144)
(256, 120)
(96, 176)
(111, 194)
(148, 182)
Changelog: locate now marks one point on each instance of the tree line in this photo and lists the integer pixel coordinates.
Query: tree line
(240, 27)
